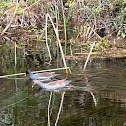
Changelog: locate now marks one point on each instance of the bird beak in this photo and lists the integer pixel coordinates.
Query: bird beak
(33, 85)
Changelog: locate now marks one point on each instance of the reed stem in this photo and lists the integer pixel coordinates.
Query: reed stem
(64, 19)
(5, 76)
(56, 32)
(47, 40)
(15, 54)
(88, 57)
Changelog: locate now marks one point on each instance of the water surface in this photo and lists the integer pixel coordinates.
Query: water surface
(97, 98)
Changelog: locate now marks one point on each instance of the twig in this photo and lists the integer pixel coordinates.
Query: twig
(11, 19)
(29, 6)
(95, 32)
(88, 57)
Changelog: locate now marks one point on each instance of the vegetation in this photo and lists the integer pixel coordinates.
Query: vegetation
(79, 23)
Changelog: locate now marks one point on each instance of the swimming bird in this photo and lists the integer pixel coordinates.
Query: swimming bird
(43, 76)
(52, 85)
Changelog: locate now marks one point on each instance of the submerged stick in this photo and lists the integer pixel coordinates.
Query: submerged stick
(4, 76)
(88, 57)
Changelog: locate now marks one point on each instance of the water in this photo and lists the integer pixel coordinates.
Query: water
(97, 98)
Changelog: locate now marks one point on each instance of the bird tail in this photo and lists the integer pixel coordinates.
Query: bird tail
(68, 81)
(54, 75)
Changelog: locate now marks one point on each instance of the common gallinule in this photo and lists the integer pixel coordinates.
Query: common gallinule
(43, 76)
(52, 85)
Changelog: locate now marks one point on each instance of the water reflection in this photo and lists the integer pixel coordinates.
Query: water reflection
(96, 98)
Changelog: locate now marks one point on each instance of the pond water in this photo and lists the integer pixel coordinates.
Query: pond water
(96, 98)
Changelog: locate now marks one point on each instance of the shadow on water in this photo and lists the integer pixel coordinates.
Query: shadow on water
(96, 98)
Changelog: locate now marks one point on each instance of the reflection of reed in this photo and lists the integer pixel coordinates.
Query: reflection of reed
(48, 109)
(94, 99)
(61, 104)
(88, 85)
(87, 88)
